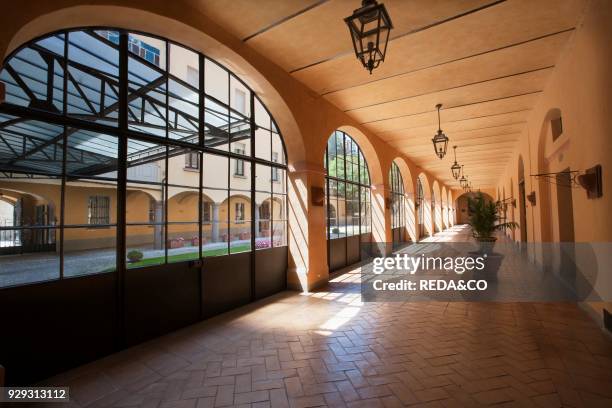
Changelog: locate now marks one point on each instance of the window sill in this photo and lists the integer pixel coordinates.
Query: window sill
(191, 169)
(242, 176)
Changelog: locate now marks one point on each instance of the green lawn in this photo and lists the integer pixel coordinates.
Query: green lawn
(188, 256)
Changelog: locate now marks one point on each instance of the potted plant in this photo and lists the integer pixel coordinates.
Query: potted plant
(134, 256)
(485, 220)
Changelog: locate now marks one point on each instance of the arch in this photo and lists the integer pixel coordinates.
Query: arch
(451, 208)
(398, 205)
(25, 205)
(544, 153)
(463, 214)
(522, 190)
(444, 208)
(556, 199)
(409, 194)
(348, 190)
(423, 201)
(436, 204)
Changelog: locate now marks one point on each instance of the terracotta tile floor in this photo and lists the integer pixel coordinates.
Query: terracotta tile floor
(329, 349)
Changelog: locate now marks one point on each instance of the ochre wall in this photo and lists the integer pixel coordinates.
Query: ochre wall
(580, 88)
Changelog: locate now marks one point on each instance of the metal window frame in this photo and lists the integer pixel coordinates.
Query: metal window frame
(123, 133)
(356, 185)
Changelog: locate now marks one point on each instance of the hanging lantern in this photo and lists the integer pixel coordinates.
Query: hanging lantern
(455, 168)
(463, 180)
(370, 26)
(440, 141)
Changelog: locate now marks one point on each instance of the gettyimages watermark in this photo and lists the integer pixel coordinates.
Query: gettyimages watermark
(504, 272)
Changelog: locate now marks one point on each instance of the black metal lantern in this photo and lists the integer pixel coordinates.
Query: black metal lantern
(370, 26)
(463, 180)
(455, 168)
(440, 141)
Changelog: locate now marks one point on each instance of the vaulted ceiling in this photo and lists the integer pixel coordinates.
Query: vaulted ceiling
(486, 61)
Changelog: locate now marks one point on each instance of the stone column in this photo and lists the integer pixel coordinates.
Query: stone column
(158, 230)
(257, 219)
(215, 223)
(307, 244)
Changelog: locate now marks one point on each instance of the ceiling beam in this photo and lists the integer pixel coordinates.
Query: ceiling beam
(426, 27)
(283, 20)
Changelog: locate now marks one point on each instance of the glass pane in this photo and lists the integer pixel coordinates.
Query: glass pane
(91, 154)
(341, 209)
(215, 239)
(215, 171)
(240, 221)
(183, 112)
(240, 170)
(146, 161)
(183, 241)
(216, 125)
(240, 130)
(280, 233)
(365, 212)
(278, 152)
(182, 205)
(27, 75)
(262, 118)
(144, 205)
(340, 167)
(32, 145)
(183, 169)
(92, 204)
(279, 180)
(27, 254)
(216, 81)
(93, 74)
(262, 144)
(263, 220)
(183, 94)
(214, 227)
(90, 250)
(146, 245)
(263, 178)
(240, 97)
(147, 108)
(151, 51)
(185, 66)
(349, 211)
(332, 209)
(279, 207)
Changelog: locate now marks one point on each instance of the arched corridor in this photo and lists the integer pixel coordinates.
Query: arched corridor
(171, 166)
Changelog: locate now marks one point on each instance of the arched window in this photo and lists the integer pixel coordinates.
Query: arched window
(348, 186)
(398, 197)
(348, 191)
(420, 203)
(92, 115)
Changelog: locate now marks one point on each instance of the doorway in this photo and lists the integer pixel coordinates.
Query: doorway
(522, 211)
(565, 209)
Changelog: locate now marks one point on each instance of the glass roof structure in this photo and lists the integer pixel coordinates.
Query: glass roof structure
(76, 75)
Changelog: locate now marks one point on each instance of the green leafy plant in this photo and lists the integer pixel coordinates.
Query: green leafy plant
(485, 219)
(134, 255)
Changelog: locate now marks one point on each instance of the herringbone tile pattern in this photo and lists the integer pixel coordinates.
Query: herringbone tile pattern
(329, 349)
